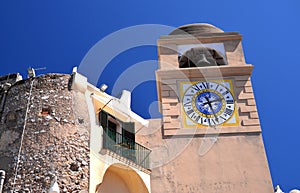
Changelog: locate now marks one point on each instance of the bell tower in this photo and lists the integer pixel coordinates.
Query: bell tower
(205, 94)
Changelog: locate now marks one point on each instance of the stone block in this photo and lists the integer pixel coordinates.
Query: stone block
(251, 102)
(254, 115)
(243, 83)
(170, 100)
(172, 111)
(243, 95)
(172, 125)
(248, 122)
(248, 89)
(245, 109)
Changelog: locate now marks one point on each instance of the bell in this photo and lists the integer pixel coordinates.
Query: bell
(202, 61)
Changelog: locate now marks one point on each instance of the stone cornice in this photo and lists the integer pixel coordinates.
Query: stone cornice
(205, 72)
(189, 39)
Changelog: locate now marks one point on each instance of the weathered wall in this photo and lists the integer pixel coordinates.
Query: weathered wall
(55, 140)
(5, 83)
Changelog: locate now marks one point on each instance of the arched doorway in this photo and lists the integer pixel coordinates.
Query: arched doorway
(119, 178)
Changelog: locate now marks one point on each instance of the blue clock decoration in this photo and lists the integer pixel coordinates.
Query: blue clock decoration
(208, 103)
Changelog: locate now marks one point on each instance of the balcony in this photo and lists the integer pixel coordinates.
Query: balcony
(126, 147)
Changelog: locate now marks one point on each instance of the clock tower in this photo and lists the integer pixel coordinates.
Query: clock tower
(206, 100)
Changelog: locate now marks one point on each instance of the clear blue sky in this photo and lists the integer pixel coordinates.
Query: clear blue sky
(58, 33)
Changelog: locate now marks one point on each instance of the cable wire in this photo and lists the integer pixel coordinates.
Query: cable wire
(22, 136)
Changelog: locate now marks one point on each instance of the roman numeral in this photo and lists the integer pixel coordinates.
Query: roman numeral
(209, 121)
(228, 111)
(189, 103)
(213, 121)
(223, 118)
(197, 118)
(205, 85)
(196, 87)
(190, 111)
(225, 93)
(229, 101)
(217, 87)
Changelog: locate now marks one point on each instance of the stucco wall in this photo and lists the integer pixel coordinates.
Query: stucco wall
(189, 164)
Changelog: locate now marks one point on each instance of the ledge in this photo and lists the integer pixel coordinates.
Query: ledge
(205, 72)
(200, 132)
(203, 38)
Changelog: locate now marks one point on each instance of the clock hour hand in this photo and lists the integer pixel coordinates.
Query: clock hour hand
(210, 106)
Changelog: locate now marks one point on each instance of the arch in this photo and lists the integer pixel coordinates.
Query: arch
(119, 178)
(201, 56)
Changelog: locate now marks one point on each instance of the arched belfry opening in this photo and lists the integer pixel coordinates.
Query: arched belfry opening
(119, 178)
(201, 56)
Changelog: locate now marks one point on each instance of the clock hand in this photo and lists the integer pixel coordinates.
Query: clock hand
(210, 106)
(207, 99)
(220, 99)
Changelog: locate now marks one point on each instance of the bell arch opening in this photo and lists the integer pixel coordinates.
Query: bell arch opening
(201, 56)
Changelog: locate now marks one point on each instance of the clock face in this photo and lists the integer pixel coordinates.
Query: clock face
(208, 103)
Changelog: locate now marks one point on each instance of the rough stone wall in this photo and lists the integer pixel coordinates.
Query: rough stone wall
(5, 82)
(55, 139)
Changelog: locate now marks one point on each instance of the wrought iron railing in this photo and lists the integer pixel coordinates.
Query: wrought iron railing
(126, 147)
